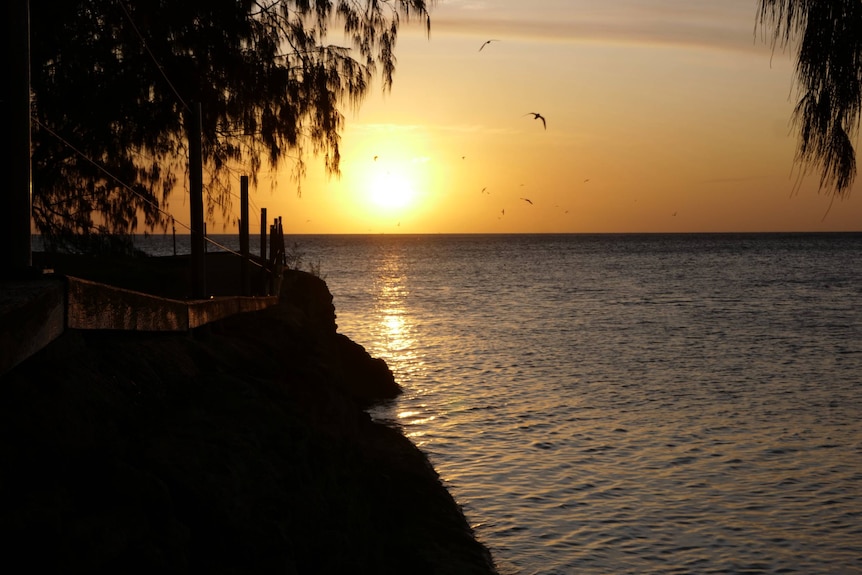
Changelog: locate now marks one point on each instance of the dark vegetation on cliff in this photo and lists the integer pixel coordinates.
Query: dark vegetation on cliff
(241, 447)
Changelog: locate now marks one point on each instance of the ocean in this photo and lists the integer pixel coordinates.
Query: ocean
(597, 404)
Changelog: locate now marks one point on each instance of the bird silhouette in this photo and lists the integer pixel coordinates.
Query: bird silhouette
(538, 116)
(528, 200)
(486, 43)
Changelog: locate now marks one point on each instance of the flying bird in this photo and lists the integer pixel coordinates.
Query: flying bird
(538, 116)
(486, 43)
(528, 200)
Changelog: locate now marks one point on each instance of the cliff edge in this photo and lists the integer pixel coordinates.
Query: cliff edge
(240, 447)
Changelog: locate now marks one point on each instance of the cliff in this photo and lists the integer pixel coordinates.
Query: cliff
(241, 447)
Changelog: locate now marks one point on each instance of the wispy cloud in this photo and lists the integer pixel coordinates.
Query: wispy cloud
(725, 25)
(390, 129)
(735, 180)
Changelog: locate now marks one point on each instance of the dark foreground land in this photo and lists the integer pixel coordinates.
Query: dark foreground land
(241, 447)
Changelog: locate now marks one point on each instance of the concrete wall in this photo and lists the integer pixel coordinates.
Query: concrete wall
(33, 313)
(98, 306)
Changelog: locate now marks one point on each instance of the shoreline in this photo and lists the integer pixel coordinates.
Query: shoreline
(241, 446)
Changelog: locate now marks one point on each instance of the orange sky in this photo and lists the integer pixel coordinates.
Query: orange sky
(671, 117)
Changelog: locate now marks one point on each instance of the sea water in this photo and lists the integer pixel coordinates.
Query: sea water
(624, 403)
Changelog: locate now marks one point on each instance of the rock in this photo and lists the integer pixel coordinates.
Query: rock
(370, 379)
(364, 378)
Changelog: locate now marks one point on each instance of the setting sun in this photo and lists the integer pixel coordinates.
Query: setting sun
(391, 190)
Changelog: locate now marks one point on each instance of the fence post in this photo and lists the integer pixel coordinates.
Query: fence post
(196, 200)
(264, 274)
(243, 234)
(281, 242)
(263, 233)
(273, 237)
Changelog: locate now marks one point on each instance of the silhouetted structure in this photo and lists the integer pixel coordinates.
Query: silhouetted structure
(15, 113)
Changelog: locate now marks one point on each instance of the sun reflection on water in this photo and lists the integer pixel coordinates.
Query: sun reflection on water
(395, 334)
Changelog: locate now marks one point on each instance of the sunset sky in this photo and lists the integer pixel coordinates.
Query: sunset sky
(667, 116)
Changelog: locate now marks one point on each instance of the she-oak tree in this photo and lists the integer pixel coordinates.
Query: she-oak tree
(113, 83)
(828, 36)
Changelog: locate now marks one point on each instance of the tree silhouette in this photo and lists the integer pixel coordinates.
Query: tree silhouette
(114, 81)
(828, 35)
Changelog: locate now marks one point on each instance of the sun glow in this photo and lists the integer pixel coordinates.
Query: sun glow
(391, 191)
(394, 175)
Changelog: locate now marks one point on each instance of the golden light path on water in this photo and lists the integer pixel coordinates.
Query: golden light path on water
(396, 335)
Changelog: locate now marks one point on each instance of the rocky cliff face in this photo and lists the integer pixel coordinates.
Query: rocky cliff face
(241, 447)
(366, 379)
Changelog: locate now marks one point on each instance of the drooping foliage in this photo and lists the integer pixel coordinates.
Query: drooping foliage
(828, 38)
(113, 83)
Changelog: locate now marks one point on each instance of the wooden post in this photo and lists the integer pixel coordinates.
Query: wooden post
(281, 248)
(265, 271)
(263, 233)
(15, 117)
(243, 234)
(196, 200)
(273, 240)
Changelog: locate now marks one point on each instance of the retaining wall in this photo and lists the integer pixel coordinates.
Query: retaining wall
(34, 313)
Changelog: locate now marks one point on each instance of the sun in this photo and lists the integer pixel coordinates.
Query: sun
(391, 191)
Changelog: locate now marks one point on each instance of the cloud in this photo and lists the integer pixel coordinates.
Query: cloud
(733, 180)
(726, 25)
(392, 129)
